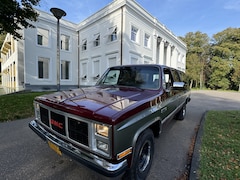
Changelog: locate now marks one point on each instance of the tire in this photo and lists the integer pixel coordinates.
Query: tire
(182, 113)
(143, 157)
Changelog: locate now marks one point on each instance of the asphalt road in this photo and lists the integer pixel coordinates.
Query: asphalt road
(23, 155)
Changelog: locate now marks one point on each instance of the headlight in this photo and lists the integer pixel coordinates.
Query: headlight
(102, 130)
(37, 107)
(102, 146)
(37, 111)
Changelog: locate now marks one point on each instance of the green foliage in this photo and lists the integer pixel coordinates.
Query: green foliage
(229, 35)
(214, 64)
(192, 74)
(220, 70)
(197, 42)
(235, 77)
(225, 60)
(221, 51)
(14, 15)
(197, 57)
(220, 149)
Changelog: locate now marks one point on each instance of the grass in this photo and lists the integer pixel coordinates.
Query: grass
(220, 151)
(17, 106)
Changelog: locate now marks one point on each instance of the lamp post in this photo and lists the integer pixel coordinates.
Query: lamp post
(58, 13)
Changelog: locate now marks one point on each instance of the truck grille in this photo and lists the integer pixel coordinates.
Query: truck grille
(71, 128)
(58, 123)
(78, 131)
(44, 116)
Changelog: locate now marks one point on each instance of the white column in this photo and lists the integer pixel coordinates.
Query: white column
(154, 49)
(11, 75)
(173, 57)
(168, 59)
(161, 52)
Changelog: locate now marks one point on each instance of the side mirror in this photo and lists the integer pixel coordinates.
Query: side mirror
(178, 84)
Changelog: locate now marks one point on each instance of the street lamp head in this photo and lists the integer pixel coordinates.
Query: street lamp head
(58, 13)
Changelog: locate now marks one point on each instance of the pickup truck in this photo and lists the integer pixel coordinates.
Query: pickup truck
(110, 127)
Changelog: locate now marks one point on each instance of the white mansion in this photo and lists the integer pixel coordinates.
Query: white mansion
(120, 33)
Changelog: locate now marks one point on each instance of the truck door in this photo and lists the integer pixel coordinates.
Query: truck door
(179, 92)
(170, 96)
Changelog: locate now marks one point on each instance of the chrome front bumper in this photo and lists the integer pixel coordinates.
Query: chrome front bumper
(88, 159)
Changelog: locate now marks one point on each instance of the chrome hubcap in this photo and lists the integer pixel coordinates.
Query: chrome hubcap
(144, 156)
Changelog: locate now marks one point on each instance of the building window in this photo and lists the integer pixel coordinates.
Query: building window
(84, 45)
(42, 37)
(147, 60)
(65, 69)
(134, 34)
(113, 35)
(146, 40)
(96, 69)
(112, 61)
(84, 70)
(65, 42)
(134, 60)
(97, 40)
(43, 68)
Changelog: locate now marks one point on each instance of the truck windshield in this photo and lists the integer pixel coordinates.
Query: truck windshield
(144, 77)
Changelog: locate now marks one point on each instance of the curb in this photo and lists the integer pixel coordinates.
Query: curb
(194, 170)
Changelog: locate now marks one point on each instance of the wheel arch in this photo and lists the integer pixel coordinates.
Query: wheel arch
(155, 127)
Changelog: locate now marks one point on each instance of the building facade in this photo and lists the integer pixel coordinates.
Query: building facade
(120, 33)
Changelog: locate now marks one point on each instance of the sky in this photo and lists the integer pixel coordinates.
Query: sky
(179, 16)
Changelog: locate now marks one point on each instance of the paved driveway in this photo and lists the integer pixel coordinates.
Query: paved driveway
(171, 152)
(24, 155)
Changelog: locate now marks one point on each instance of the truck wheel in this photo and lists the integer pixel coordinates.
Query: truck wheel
(143, 156)
(182, 113)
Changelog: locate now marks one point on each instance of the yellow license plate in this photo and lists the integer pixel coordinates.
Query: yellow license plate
(54, 147)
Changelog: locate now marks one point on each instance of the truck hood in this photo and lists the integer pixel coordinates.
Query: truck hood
(99, 103)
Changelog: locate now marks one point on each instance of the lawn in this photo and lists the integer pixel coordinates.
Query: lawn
(17, 106)
(220, 151)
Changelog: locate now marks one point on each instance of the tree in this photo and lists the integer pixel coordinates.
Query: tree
(197, 57)
(220, 70)
(14, 16)
(193, 69)
(235, 77)
(225, 59)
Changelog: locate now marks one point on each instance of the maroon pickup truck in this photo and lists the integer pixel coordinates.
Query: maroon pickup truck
(111, 126)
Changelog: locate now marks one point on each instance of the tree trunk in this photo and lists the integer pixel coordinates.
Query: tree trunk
(191, 83)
